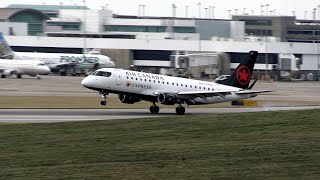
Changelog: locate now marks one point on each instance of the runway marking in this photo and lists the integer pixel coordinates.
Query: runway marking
(72, 115)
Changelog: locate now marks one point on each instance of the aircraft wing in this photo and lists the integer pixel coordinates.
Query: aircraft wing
(204, 93)
(187, 95)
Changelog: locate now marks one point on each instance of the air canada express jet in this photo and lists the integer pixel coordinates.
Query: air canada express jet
(133, 86)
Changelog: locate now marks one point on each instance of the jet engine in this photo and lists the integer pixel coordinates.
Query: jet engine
(128, 99)
(167, 99)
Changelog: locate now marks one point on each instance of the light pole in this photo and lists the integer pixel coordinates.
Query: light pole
(236, 11)
(229, 13)
(267, 9)
(213, 12)
(199, 6)
(261, 8)
(174, 7)
(187, 11)
(305, 14)
(206, 12)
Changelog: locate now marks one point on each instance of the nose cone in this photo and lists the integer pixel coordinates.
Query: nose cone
(44, 70)
(112, 64)
(86, 82)
(47, 70)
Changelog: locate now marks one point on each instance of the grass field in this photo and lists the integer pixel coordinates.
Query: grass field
(268, 145)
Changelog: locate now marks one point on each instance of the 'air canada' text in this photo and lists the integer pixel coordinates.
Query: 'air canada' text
(144, 75)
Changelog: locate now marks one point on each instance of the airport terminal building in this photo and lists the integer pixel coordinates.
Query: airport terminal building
(206, 46)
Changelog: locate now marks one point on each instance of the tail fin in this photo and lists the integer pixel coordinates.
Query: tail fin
(5, 50)
(241, 76)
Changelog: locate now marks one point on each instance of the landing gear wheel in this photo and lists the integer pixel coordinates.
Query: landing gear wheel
(180, 110)
(3, 76)
(154, 109)
(19, 76)
(103, 103)
(104, 98)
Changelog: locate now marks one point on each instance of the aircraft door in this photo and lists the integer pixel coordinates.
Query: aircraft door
(118, 77)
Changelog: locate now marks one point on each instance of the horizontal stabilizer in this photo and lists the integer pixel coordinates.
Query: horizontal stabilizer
(253, 91)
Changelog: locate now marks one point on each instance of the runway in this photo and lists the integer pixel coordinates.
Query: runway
(71, 115)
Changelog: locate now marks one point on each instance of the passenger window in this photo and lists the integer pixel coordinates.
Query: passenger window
(195, 87)
(168, 83)
(186, 85)
(145, 79)
(173, 84)
(137, 79)
(127, 77)
(162, 82)
(132, 78)
(149, 80)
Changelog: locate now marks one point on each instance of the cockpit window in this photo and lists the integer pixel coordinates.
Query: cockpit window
(101, 73)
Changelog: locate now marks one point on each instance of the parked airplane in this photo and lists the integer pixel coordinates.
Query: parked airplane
(134, 86)
(60, 61)
(21, 67)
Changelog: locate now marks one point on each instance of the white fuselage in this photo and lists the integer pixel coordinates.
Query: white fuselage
(87, 61)
(146, 84)
(28, 67)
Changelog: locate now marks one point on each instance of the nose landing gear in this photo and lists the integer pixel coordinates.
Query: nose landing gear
(104, 98)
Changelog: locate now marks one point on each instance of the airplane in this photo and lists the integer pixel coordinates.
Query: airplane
(133, 86)
(58, 61)
(33, 68)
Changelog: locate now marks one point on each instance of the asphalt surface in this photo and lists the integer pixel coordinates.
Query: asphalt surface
(69, 115)
(288, 93)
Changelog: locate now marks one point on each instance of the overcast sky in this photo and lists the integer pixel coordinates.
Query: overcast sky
(164, 7)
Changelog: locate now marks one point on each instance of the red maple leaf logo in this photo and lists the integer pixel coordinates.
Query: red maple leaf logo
(128, 84)
(243, 75)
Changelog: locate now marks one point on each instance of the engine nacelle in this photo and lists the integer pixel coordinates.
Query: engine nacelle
(167, 99)
(128, 99)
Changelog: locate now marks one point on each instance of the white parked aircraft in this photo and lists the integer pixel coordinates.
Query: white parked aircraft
(61, 61)
(21, 67)
(134, 86)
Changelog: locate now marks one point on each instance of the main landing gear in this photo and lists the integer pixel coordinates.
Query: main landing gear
(104, 98)
(154, 109)
(180, 110)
